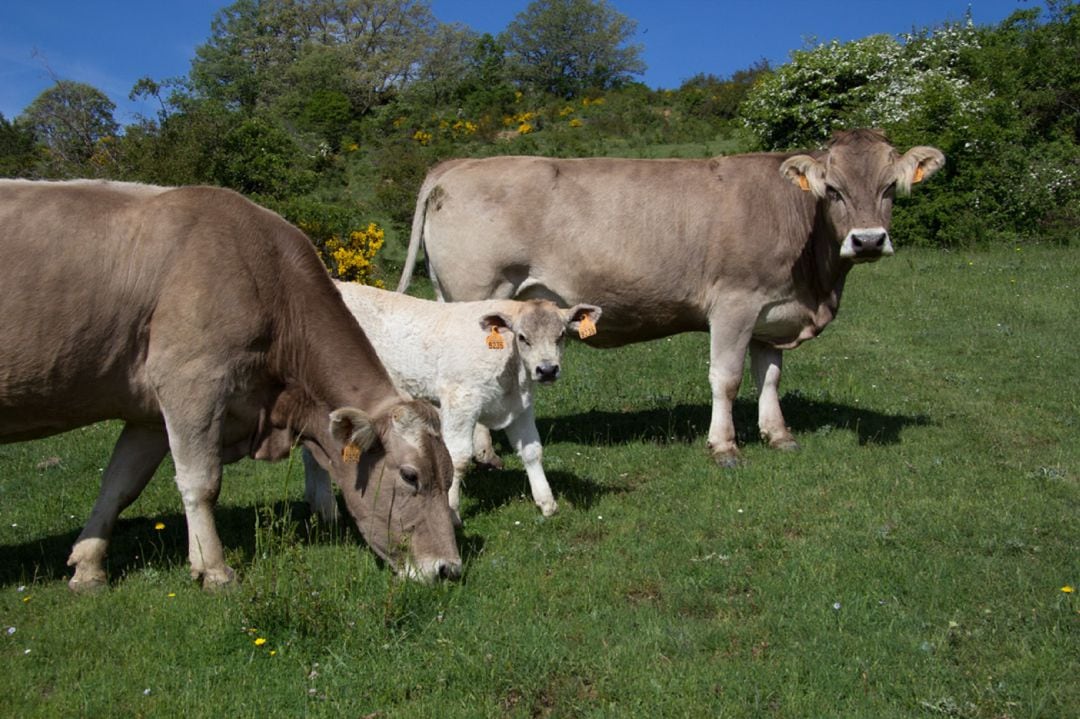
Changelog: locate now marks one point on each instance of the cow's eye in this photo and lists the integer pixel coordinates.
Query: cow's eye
(411, 477)
(523, 339)
(833, 194)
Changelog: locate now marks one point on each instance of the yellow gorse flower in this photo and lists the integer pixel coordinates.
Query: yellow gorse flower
(352, 258)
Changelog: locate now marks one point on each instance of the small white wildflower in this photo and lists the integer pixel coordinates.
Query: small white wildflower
(146, 692)
(836, 606)
(10, 630)
(21, 588)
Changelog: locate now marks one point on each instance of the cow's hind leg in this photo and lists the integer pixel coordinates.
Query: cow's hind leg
(766, 363)
(136, 456)
(525, 439)
(484, 453)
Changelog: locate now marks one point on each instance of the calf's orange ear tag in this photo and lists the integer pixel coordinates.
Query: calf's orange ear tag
(804, 184)
(919, 172)
(495, 340)
(586, 327)
(350, 453)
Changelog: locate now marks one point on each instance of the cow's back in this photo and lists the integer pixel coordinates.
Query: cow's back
(428, 346)
(95, 276)
(650, 241)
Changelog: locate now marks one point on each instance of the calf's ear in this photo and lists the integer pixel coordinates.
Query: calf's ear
(582, 319)
(354, 430)
(806, 173)
(496, 321)
(916, 165)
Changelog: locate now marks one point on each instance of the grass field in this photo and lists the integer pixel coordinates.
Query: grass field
(910, 561)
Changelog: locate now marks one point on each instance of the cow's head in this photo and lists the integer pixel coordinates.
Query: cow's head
(394, 472)
(857, 178)
(538, 332)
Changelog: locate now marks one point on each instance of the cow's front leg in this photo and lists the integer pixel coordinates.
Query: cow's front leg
(525, 439)
(318, 490)
(728, 340)
(766, 363)
(195, 443)
(458, 425)
(138, 452)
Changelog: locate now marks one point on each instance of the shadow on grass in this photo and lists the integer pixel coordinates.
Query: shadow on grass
(136, 544)
(688, 423)
(490, 489)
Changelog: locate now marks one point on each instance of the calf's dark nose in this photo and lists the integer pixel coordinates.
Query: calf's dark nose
(547, 372)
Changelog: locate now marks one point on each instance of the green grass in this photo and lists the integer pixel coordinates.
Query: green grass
(907, 562)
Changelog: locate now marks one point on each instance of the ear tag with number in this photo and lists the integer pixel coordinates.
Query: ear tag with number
(350, 453)
(495, 340)
(919, 173)
(804, 184)
(586, 327)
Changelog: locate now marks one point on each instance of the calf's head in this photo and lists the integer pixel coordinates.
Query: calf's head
(538, 332)
(856, 179)
(394, 471)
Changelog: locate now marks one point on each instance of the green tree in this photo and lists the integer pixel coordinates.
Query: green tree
(262, 51)
(17, 149)
(74, 121)
(565, 47)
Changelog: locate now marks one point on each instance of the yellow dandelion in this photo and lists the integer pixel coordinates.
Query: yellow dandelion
(259, 641)
(1067, 589)
(273, 652)
(171, 594)
(159, 526)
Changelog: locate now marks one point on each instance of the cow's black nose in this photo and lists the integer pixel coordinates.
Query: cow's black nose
(868, 241)
(449, 570)
(547, 372)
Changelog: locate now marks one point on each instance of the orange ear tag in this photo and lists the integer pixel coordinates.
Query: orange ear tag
(586, 328)
(804, 184)
(495, 340)
(350, 453)
(919, 172)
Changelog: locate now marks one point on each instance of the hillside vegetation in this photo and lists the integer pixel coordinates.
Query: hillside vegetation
(331, 112)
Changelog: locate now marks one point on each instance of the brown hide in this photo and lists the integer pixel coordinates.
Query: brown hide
(209, 326)
(753, 248)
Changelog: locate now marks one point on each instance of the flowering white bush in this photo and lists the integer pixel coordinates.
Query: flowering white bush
(877, 81)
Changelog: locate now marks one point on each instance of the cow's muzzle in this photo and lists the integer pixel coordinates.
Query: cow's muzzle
(866, 244)
(546, 372)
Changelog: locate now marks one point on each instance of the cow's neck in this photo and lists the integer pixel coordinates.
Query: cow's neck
(822, 272)
(331, 363)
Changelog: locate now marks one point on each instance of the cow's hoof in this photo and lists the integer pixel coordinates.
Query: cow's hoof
(87, 585)
(549, 508)
(786, 444)
(219, 579)
(488, 460)
(728, 459)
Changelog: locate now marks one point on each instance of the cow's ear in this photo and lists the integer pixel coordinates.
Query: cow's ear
(916, 165)
(582, 319)
(806, 173)
(354, 430)
(495, 321)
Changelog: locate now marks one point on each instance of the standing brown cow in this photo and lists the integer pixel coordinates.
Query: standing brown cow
(753, 248)
(210, 326)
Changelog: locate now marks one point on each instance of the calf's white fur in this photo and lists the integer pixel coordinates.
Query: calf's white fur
(449, 353)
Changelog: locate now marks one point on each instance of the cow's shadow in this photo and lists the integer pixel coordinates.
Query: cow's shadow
(687, 423)
(137, 545)
(487, 490)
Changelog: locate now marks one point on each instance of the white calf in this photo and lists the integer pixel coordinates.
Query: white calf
(477, 360)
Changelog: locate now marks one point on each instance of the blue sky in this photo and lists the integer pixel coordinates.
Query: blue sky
(110, 44)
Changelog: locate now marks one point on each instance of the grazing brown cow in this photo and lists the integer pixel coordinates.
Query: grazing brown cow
(209, 325)
(753, 248)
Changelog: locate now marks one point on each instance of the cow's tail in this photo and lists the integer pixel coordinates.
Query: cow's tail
(416, 237)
